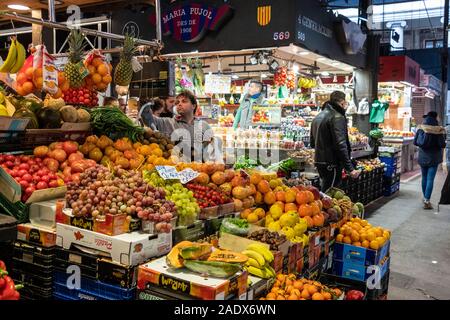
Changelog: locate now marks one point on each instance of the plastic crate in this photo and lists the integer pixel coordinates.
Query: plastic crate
(34, 254)
(390, 190)
(389, 161)
(30, 292)
(389, 181)
(91, 287)
(8, 228)
(18, 210)
(391, 172)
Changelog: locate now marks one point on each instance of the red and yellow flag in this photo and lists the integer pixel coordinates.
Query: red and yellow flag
(263, 15)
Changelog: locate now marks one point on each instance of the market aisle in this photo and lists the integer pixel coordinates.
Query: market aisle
(419, 238)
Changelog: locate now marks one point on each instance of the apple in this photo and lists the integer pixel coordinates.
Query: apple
(53, 184)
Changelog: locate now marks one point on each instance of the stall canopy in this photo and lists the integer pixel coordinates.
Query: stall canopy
(235, 25)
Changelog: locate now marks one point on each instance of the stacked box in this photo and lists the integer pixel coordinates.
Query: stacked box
(32, 266)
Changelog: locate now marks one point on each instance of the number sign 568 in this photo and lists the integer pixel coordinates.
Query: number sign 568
(281, 36)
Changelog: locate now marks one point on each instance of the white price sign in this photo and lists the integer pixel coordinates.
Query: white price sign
(187, 175)
(217, 83)
(167, 172)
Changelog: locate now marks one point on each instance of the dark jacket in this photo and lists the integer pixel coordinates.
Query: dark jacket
(430, 138)
(329, 137)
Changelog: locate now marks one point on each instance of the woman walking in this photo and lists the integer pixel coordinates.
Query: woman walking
(430, 138)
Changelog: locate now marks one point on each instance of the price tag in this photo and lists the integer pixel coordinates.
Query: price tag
(167, 172)
(187, 175)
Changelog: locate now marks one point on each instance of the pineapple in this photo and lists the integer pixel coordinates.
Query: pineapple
(76, 49)
(124, 70)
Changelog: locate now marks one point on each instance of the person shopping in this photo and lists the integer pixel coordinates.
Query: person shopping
(254, 97)
(430, 138)
(329, 138)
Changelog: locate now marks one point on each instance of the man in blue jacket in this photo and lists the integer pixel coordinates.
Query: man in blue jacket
(430, 138)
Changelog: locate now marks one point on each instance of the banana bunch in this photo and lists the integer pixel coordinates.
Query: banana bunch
(345, 204)
(259, 259)
(307, 83)
(15, 59)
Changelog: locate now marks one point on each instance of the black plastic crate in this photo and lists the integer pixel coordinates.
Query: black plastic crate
(30, 292)
(388, 191)
(26, 278)
(61, 265)
(33, 254)
(22, 266)
(76, 257)
(8, 228)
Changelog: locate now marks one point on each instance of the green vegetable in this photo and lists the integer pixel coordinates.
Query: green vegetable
(285, 166)
(245, 163)
(376, 134)
(27, 113)
(238, 227)
(112, 122)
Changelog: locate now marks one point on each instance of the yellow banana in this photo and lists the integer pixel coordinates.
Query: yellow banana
(252, 262)
(268, 256)
(10, 59)
(261, 273)
(21, 55)
(255, 255)
(271, 270)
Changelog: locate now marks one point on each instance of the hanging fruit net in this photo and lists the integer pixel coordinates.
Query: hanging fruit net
(100, 71)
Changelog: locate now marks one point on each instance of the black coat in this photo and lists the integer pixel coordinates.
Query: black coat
(329, 138)
(430, 138)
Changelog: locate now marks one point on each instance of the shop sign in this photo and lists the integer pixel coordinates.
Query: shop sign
(191, 22)
(399, 68)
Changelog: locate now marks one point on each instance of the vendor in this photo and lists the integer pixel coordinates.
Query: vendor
(169, 103)
(194, 138)
(254, 97)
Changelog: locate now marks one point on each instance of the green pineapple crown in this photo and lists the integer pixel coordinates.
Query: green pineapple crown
(76, 46)
(129, 48)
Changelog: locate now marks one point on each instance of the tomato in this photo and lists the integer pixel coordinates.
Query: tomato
(24, 184)
(27, 177)
(53, 184)
(45, 178)
(14, 173)
(22, 172)
(10, 158)
(41, 185)
(30, 190)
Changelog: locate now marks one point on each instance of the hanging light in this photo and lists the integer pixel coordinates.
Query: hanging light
(295, 68)
(254, 59)
(273, 65)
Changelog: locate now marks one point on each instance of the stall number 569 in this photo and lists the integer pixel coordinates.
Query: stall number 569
(281, 36)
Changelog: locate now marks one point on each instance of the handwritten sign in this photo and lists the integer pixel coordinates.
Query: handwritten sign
(187, 175)
(217, 83)
(167, 172)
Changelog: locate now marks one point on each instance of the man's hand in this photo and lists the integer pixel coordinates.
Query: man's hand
(355, 174)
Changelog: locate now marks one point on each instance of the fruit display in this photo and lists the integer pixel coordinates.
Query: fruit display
(64, 158)
(8, 290)
(260, 116)
(124, 71)
(31, 173)
(290, 80)
(226, 121)
(280, 76)
(203, 259)
(15, 59)
(101, 191)
(369, 164)
(80, 96)
(274, 239)
(100, 72)
(207, 196)
(294, 182)
(253, 216)
(290, 287)
(357, 139)
(307, 83)
(397, 134)
(259, 260)
(285, 220)
(72, 69)
(361, 233)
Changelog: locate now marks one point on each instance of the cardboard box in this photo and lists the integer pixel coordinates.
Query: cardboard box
(300, 265)
(278, 261)
(258, 287)
(359, 272)
(12, 191)
(43, 213)
(128, 249)
(187, 283)
(359, 255)
(45, 237)
(117, 274)
(112, 225)
(193, 232)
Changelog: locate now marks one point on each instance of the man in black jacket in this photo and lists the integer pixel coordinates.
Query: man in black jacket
(329, 138)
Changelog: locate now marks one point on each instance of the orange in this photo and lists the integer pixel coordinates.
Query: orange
(312, 289)
(20, 91)
(252, 218)
(97, 78)
(317, 296)
(356, 244)
(326, 295)
(280, 204)
(255, 178)
(258, 198)
(281, 196)
(37, 72)
(354, 236)
(103, 69)
(305, 294)
(157, 152)
(305, 210)
(21, 78)
(362, 236)
(378, 232)
(370, 236)
(304, 197)
(245, 213)
(374, 245)
(296, 292)
(264, 187)
(339, 238)
(107, 79)
(315, 208)
(260, 212)
(292, 297)
(29, 72)
(271, 296)
(38, 82)
(290, 196)
(280, 297)
(96, 62)
(270, 198)
(365, 244)
(290, 207)
(348, 231)
(28, 87)
(110, 67)
(347, 240)
(298, 285)
(380, 241)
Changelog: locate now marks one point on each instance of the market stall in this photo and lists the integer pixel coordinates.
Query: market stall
(142, 224)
